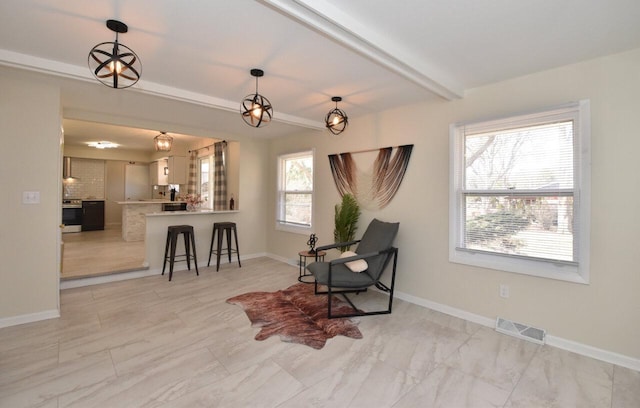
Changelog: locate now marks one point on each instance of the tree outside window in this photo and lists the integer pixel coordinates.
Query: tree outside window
(295, 192)
(520, 193)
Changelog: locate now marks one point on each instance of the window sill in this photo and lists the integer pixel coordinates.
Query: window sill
(541, 269)
(295, 229)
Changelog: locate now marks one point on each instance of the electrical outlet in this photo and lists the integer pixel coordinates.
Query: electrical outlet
(504, 290)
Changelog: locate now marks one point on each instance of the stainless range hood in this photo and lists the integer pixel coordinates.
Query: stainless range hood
(66, 169)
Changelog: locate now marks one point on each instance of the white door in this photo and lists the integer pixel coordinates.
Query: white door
(136, 182)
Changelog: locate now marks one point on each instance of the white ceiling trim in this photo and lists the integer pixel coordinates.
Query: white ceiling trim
(41, 65)
(339, 26)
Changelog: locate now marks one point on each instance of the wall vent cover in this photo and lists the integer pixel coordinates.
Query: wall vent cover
(520, 330)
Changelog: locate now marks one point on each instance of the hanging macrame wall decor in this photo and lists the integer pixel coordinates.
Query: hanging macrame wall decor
(373, 181)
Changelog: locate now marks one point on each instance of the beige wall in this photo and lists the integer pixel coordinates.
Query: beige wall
(603, 314)
(29, 161)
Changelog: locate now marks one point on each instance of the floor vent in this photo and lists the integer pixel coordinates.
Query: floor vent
(520, 331)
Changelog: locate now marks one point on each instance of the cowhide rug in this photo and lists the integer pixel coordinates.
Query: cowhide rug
(296, 315)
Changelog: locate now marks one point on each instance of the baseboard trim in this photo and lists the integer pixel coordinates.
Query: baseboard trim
(554, 341)
(282, 259)
(29, 318)
(594, 352)
(115, 277)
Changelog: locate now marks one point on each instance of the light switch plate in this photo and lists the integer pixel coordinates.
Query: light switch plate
(30, 197)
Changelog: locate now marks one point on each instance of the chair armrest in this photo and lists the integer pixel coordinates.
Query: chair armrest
(339, 261)
(336, 245)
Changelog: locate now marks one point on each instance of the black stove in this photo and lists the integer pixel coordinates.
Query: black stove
(72, 203)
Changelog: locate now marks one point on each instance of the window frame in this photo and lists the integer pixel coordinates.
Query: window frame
(577, 271)
(280, 225)
(209, 158)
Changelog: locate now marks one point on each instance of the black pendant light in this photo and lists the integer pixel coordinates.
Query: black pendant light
(336, 120)
(115, 64)
(256, 110)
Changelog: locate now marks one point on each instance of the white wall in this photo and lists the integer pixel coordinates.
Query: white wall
(603, 314)
(30, 130)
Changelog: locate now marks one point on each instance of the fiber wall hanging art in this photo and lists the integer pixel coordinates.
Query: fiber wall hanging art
(375, 180)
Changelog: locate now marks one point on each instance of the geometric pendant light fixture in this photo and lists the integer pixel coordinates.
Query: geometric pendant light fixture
(256, 110)
(115, 64)
(336, 120)
(163, 142)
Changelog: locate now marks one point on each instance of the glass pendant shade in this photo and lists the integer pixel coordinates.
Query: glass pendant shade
(163, 142)
(114, 64)
(336, 120)
(256, 110)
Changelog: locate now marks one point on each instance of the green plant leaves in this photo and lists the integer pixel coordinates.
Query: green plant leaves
(347, 215)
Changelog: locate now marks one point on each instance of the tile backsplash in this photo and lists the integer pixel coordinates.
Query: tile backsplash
(90, 180)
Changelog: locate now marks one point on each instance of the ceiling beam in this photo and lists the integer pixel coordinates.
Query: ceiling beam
(329, 20)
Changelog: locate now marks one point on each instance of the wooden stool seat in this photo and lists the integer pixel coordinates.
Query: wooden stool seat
(173, 231)
(220, 228)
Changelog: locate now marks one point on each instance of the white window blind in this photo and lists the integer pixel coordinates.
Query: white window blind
(518, 195)
(295, 191)
(516, 188)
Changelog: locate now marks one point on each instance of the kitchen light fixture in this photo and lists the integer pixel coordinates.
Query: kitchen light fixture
(336, 120)
(103, 145)
(163, 142)
(115, 64)
(256, 110)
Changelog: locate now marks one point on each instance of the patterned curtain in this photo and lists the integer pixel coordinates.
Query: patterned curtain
(219, 177)
(192, 177)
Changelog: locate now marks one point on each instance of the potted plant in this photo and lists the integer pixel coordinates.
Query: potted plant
(346, 220)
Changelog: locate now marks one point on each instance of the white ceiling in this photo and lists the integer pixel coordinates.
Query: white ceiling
(376, 54)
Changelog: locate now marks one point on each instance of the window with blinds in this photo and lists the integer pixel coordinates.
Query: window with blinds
(517, 189)
(295, 192)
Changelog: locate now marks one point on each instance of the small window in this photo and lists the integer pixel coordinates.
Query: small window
(295, 192)
(205, 188)
(520, 193)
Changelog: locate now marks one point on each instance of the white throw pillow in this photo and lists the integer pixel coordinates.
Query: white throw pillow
(357, 265)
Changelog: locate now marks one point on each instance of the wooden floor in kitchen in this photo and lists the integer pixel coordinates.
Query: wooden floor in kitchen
(94, 253)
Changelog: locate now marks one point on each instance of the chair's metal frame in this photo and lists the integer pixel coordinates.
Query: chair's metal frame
(381, 286)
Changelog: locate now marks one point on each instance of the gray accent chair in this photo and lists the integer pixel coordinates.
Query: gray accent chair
(376, 248)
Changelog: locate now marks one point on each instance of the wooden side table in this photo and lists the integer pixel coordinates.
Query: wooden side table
(303, 255)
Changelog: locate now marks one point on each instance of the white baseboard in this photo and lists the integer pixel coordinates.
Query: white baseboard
(292, 262)
(29, 318)
(594, 352)
(96, 280)
(569, 345)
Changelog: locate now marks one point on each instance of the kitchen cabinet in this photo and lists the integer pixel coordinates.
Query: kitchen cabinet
(158, 173)
(177, 169)
(172, 170)
(92, 215)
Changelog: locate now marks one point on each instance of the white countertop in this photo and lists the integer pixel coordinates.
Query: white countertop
(150, 201)
(196, 212)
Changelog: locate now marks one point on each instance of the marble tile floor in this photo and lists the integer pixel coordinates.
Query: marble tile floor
(94, 253)
(149, 342)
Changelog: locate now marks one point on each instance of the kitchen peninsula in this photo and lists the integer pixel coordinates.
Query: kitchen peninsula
(135, 213)
(134, 221)
(202, 222)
